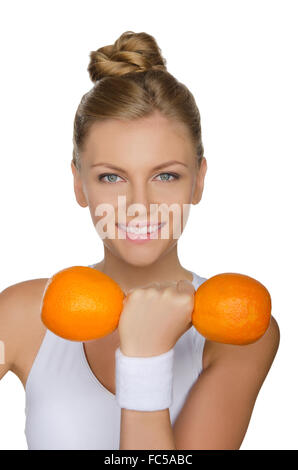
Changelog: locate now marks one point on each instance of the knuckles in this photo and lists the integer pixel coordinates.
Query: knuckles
(168, 293)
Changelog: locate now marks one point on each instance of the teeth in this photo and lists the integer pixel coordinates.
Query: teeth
(140, 230)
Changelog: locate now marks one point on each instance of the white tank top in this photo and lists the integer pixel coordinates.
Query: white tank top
(66, 406)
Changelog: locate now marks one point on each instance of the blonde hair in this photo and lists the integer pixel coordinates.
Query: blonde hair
(131, 81)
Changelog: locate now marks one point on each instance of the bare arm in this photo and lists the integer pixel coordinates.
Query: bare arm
(20, 326)
(8, 328)
(146, 430)
(219, 407)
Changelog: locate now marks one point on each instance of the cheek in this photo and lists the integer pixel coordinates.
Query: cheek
(177, 194)
(180, 201)
(100, 199)
(99, 209)
(178, 219)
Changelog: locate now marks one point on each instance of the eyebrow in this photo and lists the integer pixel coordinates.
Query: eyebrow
(158, 167)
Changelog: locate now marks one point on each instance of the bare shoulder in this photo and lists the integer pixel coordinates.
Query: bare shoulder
(260, 352)
(21, 328)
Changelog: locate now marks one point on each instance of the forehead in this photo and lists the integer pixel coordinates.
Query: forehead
(154, 132)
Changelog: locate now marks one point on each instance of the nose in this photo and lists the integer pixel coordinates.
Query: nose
(138, 200)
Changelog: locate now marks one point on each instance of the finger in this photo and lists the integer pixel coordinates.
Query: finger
(145, 286)
(151, 284)
(185, 286)
(128, 291)
(165, 284)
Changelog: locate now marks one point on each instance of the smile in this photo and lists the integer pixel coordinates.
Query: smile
(141, 230)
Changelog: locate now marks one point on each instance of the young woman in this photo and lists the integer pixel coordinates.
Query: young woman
(137, 134)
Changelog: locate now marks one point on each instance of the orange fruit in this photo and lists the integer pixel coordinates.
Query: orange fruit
(232, 308)
(80, 303)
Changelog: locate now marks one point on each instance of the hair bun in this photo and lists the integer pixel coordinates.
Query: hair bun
(131, 52)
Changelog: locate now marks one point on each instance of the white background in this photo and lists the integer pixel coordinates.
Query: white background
(239, 59)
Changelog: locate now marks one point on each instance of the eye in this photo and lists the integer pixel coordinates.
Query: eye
(100, 177)
(174, 175)
(114, 177)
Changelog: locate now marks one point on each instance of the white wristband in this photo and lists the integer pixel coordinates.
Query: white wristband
(144, 383)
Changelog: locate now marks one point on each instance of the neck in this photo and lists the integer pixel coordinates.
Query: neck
(128, 276)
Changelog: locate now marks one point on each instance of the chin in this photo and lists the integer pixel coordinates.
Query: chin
(140, 256)
(140, 260)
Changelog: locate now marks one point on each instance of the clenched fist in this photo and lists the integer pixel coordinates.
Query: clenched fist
(154, 317)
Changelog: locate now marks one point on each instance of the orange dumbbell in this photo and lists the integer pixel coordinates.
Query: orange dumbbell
(80, 303)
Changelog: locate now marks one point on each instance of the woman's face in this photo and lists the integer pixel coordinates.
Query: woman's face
(120, 159)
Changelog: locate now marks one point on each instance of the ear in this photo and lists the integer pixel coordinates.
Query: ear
(78, 187)
(199, 183)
